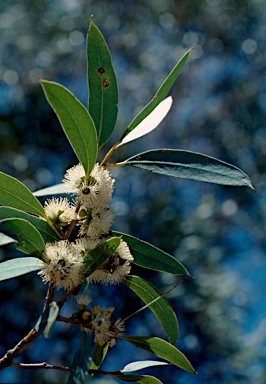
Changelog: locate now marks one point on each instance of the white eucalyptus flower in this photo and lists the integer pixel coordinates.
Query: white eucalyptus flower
(62, 265)
(59, 210)
(95, 222)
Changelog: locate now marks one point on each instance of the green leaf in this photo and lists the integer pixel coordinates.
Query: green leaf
(15, 194)
(103, 95)
(139, 379)
(4, 239)
(148, 256)
(99, 353)
(162, 349)
(161, 308)
(58, 189)
(17, 267)
(47, 319)
(189, 165)
(138, 365)
(41, 225)
(159, 96)
(28, 237)
(99, 254)
(76, 122)
(81, 360)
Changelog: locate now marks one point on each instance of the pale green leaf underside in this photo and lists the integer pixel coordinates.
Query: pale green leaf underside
(138, 365)
(161, 308)
(47, 319)
(149, 256)
(189, 165)
(162, 349)
(99, 255)
(41, 225)
(15, 194)
(57, 189)
(75, 121)
(29, 239)
(81, 361)
(4, 239)
(159, 96)
(17, 267)
(103, 94)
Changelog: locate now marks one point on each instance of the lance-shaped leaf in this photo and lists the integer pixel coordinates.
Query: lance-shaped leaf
(103, 95)
(58, 189)
(29, 239)
(159, 96)
(99, 254)
(189, 165)
(162, 349)
(150, 122)
(149, 256)
(76, 122)
(4, 239)
(159, 305)
(99, 353)
(47, 319)
(138, 365)
(81, 360)
(138, 379)
(41, 225)
(17, 267)
(15, 194)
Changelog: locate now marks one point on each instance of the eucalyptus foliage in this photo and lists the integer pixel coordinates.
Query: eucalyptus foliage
(69, 241)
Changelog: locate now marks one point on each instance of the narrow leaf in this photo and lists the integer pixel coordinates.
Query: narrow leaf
(149, 380)
(28, 237)
(189, 165)
(159, 96)
(15, 194)
(103, 95)
(4, 239)
(76, 123)
(162, 349)
(137, 365)
(17, 267)
(131, 378)
(99, 353)
(81, 360)
(161, 308)
(58, 189)
(41, 225)
(47, 319)
(150, 122)
(98, 255)
(149, 256)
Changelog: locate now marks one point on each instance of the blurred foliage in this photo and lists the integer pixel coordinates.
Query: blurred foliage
(219, 109)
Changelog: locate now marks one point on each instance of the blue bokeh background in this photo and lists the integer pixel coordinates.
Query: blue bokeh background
(217, 232)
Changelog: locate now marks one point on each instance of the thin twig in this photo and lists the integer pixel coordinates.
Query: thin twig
(49, 296)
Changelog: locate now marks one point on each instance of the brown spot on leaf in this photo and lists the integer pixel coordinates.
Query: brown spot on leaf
(105, 83)
(101, 70)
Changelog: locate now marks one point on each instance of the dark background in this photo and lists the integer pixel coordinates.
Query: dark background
(217, 232)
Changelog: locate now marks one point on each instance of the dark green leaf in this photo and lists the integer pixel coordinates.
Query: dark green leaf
(41, 225)
(28, 237)
(58, 189)
(17, 267)
(98, 255)
(149, 380)
(81, 360)
(159, 96)
(148, 256)
(4, 239)
(98, 355)
(139, 379)
(161, 308)
(15, 194)
(138, 365)
(47, 319)
(161, 349)
(189, 165)
(76, 123)
(103, 95)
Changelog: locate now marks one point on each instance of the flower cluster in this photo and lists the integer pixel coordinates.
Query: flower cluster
(90, 211)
